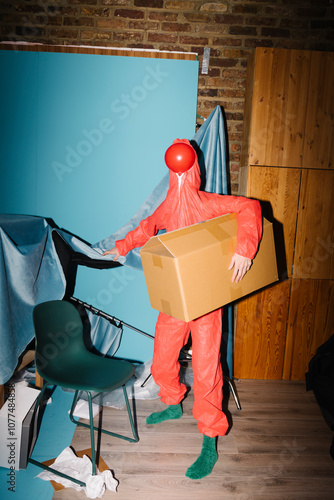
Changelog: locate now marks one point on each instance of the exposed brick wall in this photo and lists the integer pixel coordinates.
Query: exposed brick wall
(232, 29)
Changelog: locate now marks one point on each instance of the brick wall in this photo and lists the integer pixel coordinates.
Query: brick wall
(232, 29)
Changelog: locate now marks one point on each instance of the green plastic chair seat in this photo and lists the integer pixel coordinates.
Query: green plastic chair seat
(62, 357)
(88, 372)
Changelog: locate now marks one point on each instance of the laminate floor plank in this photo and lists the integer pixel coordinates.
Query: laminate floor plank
(277, 449)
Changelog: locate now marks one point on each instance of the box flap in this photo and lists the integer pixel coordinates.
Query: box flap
(155, 248)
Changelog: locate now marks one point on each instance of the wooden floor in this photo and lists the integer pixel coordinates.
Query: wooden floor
(277, 449)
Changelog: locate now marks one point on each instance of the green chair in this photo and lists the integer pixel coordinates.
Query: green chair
(62, 359)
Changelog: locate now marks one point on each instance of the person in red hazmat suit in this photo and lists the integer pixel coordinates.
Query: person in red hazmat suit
(184, 205)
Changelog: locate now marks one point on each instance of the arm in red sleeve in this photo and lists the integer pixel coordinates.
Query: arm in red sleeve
(249, 234)
(249, 218)
(141, 234)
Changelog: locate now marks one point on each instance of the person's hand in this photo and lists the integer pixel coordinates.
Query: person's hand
(241, 265)
(114, 252)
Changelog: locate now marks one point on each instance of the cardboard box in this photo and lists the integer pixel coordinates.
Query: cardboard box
(186, 270)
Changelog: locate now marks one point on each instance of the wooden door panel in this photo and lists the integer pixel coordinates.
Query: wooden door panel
(314, 251)
(278, 191)
(260, 333)
(310, 324)
(318, 151)
(279, 105)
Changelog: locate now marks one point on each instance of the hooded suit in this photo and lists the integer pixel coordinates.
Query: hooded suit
(185, 205)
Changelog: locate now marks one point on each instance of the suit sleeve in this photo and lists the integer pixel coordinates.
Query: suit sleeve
(249, 218)
(141, 234)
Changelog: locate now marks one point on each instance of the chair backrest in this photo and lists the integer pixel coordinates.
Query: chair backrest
(59, 333)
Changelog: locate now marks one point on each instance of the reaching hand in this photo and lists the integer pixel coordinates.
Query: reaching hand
(113, 251)
(241, 266)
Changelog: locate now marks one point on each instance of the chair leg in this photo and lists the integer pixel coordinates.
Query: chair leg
(135, 435)
(40, 464)
(74, 402)
(57, 472)
(91, 424)
(39, 399)
(135, 438)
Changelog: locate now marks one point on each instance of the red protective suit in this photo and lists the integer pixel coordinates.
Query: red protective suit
(185, 205)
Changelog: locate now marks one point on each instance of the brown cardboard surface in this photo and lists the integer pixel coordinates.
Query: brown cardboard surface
(186, 270)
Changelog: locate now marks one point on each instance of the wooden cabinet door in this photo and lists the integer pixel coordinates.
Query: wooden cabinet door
(278, 189)
(278, 110)
(314, 250)
(262, 317)
(310, 324)
(260, 333)
(318, 151)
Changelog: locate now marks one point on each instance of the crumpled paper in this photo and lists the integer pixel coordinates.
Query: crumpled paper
(80, 468)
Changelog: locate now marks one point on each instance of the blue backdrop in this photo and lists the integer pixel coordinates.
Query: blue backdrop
(83, 142)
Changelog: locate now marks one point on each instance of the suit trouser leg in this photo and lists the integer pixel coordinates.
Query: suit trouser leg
(206, 333)
(170, 336)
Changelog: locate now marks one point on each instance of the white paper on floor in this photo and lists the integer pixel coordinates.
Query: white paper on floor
(80, 468)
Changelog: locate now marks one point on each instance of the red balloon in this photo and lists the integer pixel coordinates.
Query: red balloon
(180, 157)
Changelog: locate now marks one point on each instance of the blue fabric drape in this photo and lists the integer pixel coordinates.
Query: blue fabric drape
(212, 153)
(30, 270)
(105, 336)
(29, 273)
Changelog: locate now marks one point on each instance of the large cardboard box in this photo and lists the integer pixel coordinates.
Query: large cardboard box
(186, 270)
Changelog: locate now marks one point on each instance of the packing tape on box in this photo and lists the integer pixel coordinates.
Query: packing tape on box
(218, 233)
(157, 261)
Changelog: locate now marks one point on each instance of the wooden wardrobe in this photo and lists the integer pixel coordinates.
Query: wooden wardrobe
(288, 164)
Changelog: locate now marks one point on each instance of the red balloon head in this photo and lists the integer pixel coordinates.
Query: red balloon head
(180, 157)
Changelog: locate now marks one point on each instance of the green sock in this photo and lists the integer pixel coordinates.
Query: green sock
(204, 464)
(172, 412)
